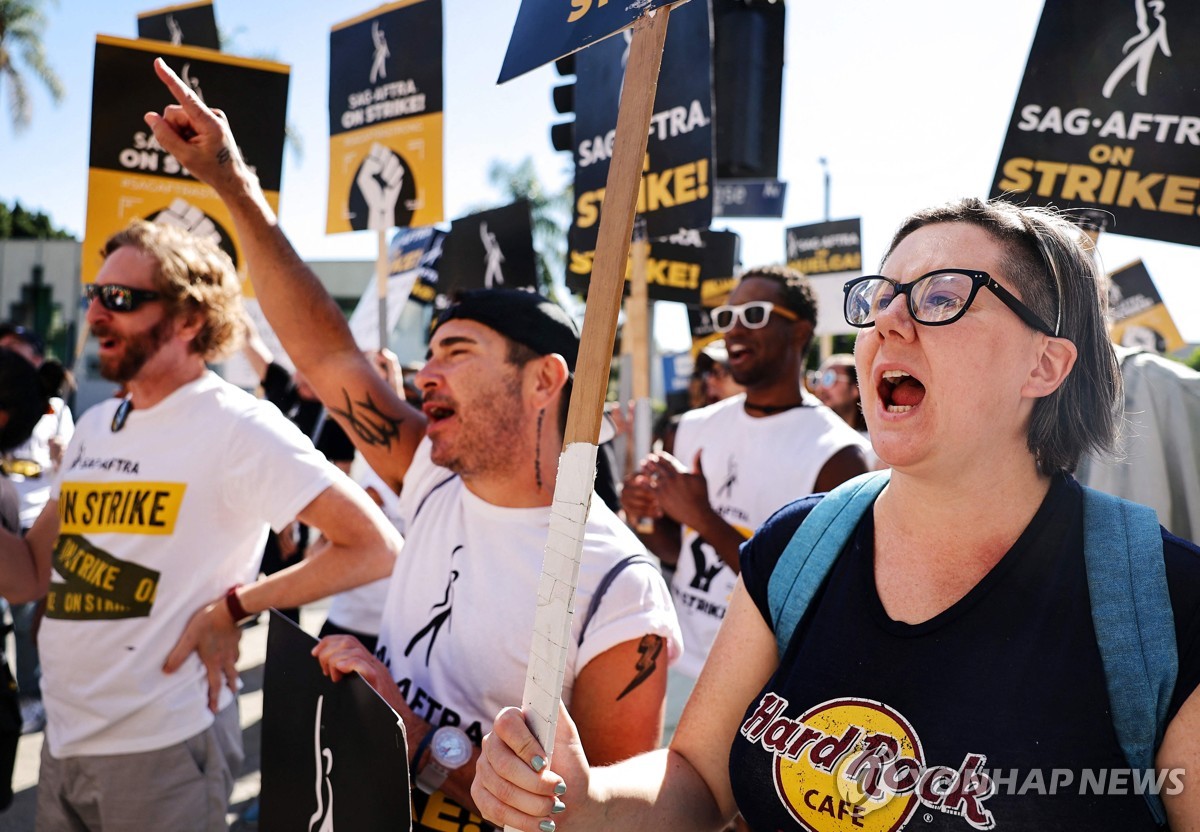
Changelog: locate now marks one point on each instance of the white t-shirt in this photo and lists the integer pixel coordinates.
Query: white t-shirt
(754, 467)
(458, 623)
(158, 519)
(35, 491)
(361, 609)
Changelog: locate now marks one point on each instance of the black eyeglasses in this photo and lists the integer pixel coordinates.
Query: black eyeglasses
(117, 298)
(935, 299)
(754, 315)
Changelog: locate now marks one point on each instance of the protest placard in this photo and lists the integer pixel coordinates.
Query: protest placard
(546, 30)
(490, 250)
(1139, 316)
(1107, 117)
(676, 190)
(185, 24)
(385, 118)
(325, 743)
(680, 268)
(130, 176)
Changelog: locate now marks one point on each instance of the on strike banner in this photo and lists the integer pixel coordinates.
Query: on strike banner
(825, 247)
(1108, 117)
(546, 30)
(130, 176)
(690, 267)
(677, 187)
(829, 254)
(385, 118)
(188, 24)
(334, 755)
(1139, 316)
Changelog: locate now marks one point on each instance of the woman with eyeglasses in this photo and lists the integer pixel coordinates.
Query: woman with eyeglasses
(961, 664)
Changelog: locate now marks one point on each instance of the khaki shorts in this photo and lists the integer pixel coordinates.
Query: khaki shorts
(182, 787)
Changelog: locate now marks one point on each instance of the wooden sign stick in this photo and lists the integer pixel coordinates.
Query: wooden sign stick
(381, 284)
(577, 464)
(637, 330)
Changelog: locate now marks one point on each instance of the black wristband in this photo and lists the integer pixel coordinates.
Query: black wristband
(421, 748)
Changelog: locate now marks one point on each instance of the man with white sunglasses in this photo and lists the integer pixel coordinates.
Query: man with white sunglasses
(739, 460)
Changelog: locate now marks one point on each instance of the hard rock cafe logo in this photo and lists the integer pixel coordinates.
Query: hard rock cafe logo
(854, 764)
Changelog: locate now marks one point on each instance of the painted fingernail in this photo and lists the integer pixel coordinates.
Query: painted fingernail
(537, 763)
(561, 788)
(546, 826)
(559, 806)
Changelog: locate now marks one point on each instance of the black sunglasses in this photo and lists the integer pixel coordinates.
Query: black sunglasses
(117, 298)
(935, 299)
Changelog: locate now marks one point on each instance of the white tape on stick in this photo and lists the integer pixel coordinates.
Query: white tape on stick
(556, 590)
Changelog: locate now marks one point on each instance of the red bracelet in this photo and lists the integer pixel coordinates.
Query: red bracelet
(234, 604)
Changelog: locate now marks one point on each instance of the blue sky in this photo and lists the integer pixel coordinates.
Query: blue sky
(908, 102)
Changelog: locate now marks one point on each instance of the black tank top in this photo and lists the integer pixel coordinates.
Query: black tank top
(991, 715)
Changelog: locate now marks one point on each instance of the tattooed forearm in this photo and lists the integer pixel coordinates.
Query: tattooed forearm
(224, 155)
(647, 662)
(368, 422)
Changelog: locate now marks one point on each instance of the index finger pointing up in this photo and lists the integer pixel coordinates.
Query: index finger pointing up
(182, 92)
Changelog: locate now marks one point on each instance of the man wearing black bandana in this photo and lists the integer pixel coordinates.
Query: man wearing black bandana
(478, 464)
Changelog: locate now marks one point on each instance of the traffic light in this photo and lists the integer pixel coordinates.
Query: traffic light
(562, 134)
(747, 86)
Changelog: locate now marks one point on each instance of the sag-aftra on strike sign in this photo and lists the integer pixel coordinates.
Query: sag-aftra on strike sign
(1107, 116)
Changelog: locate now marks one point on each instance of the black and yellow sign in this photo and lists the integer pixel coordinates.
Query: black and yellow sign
(825, 247)
(96, 585)
(385, 118)
(1139, 316)
(677, 180)
(686, 268)
(418, 249)
(546, 30)
(187, 24)
(1108, 118)
(130, 177)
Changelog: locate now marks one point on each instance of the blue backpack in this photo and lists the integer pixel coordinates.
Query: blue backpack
(1127, 584)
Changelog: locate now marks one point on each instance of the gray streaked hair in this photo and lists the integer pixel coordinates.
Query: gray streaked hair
(1053, 268)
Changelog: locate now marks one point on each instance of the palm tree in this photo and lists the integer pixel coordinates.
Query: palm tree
(21, 25)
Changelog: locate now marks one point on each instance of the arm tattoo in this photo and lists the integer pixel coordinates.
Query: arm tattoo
(647, 663)
(371, 425)
(224, 155)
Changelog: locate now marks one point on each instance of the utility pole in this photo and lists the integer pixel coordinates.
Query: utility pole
(825, 167)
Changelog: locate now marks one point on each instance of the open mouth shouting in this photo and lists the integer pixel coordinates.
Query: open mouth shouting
(738, 353)
(900, 392)
(437, 411)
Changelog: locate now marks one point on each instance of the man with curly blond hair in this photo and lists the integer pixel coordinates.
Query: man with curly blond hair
(161, 506)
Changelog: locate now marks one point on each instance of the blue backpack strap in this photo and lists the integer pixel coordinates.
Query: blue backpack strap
(605, 582)
(814, 547)
(1135, 627)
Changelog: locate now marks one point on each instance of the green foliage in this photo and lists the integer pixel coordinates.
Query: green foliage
(21, 25)
(1193, 360)
(19, 224)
